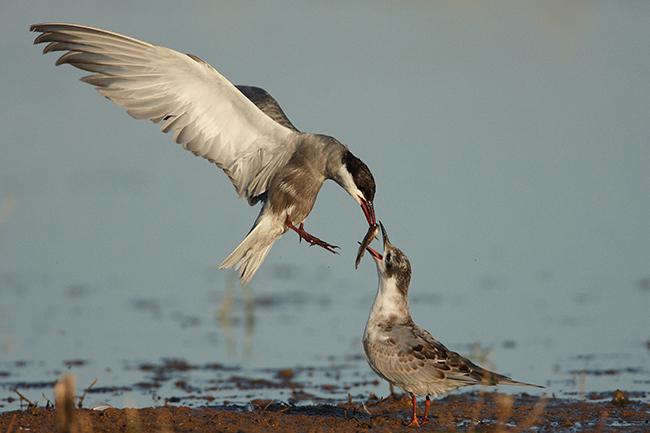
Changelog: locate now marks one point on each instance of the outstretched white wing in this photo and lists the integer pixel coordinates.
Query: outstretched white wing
(206, 113)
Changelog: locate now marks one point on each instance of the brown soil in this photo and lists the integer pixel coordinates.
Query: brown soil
(465, 413)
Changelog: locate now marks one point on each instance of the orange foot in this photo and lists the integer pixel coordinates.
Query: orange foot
(311, 239)
(414, 423)
(427, 406)
(414, 416)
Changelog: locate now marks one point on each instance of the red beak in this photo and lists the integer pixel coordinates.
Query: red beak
(374, 253)
(369, 212)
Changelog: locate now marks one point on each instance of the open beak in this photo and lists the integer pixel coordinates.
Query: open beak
(384, 235)
(375, 254)
(368, 211)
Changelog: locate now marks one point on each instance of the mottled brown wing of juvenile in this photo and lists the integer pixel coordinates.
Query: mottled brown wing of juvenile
(413, 360)
(456, 367)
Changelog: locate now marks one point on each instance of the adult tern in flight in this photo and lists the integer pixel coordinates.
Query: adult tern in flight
(241, 129)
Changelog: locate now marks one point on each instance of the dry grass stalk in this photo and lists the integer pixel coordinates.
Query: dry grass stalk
(25, 399)
(83, 396)
(535, 415)
(504, 405)
(249, 319)
(7, 205)
(582, 384)
(133, 421)
(602, 423)
(164, 422)
(224, 313)
(349, 409)
(445, 418)
(10, 427)
(48, 403)
(476, 410)
(286, 409)
(64, 392)
(266, 406)
(249, 308)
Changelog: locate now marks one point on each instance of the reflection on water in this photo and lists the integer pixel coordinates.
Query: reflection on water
(245, 346)
(225, 317)
(509, 145)
(7, 205)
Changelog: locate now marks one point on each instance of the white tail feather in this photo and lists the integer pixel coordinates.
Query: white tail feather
(251, 252)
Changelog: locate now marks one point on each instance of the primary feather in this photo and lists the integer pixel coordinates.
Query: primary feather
(207, 114)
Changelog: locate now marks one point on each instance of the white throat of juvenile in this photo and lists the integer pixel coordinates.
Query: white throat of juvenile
(391, 301)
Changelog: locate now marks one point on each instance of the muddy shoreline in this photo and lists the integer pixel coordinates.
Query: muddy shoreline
(470, 412)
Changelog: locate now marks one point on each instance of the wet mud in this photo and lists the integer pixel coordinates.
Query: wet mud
(470, 412)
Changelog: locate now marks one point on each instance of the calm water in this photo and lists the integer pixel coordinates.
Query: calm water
(510, 144)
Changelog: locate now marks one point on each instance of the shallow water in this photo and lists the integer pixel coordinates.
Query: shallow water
(510, 150)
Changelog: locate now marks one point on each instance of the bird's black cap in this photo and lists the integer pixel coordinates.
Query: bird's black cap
(361, 175)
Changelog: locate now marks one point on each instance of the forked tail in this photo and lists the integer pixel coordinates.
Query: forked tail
(487, 377)
(508, 381)
(251, 252)
(491, 378)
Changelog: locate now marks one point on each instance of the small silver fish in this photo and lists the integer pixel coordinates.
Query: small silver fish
(373, 230)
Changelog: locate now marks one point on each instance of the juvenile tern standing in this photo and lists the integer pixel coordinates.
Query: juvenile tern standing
(403, 353)
(241, 129)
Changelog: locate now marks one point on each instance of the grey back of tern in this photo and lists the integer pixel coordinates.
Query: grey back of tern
(241, 129)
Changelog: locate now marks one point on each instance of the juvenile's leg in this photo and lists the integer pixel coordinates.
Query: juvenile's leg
(414, 416)
(427, 406)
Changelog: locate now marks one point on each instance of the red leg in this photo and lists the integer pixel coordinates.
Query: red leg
(301, 227)
(414, 416)
(313, 240)
(427, 406)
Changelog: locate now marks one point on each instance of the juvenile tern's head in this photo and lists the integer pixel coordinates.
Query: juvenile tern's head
(355, 177)
(393, 264)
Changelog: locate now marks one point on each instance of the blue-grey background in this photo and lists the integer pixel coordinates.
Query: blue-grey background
(510, 142)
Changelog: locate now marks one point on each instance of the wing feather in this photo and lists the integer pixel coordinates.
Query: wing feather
(205, 112)
(411, 357)
(267, 104)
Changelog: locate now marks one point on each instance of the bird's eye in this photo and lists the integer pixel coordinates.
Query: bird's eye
(388, 257)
